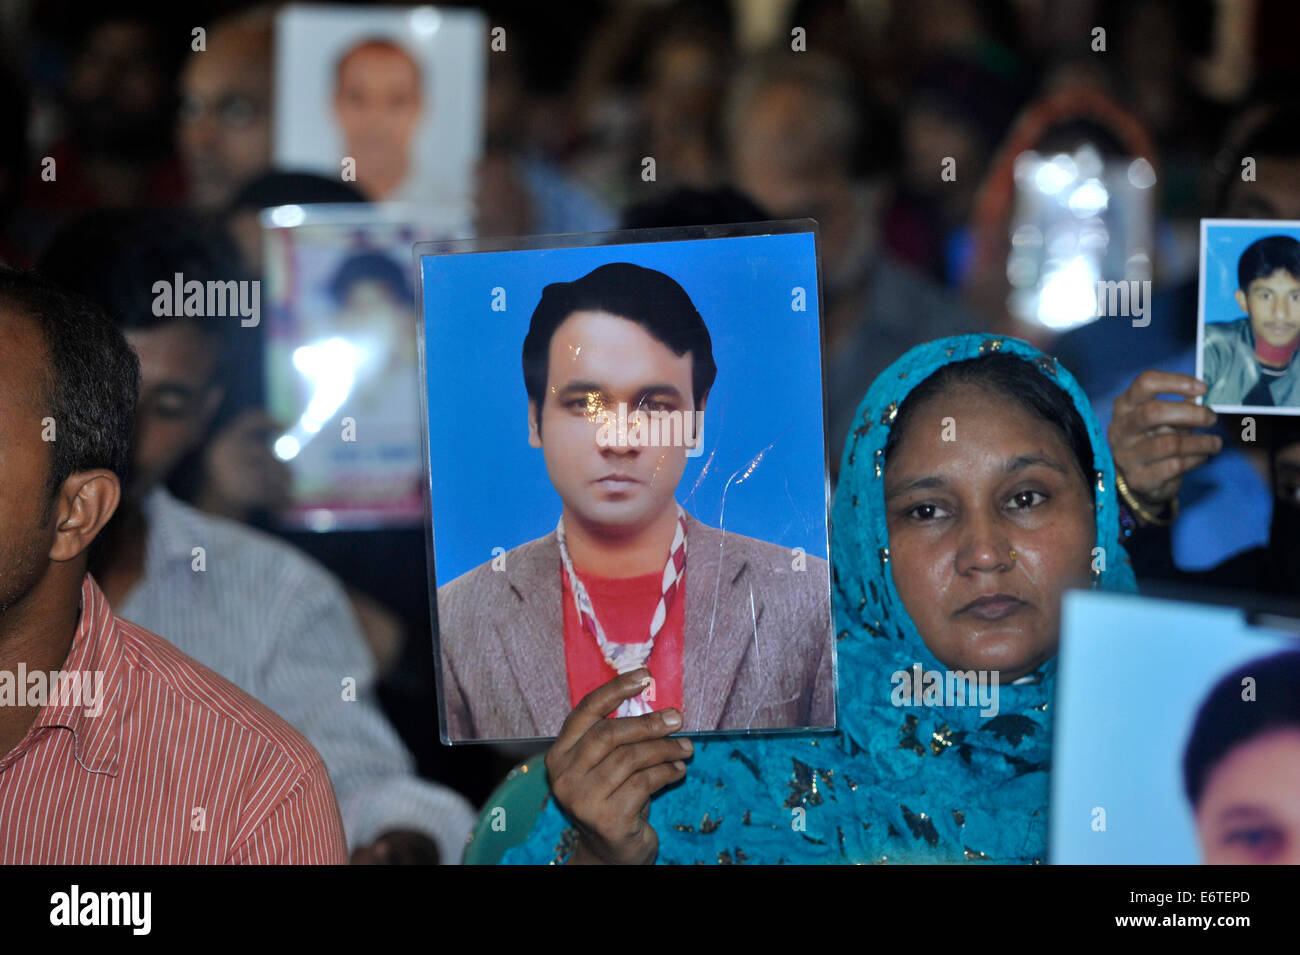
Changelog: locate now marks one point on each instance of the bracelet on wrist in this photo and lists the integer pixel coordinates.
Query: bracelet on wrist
(1139, 510)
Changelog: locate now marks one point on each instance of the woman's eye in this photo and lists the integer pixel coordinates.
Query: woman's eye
(1023, 500)
(927, 512)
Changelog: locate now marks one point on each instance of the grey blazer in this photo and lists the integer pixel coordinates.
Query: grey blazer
(758, 643)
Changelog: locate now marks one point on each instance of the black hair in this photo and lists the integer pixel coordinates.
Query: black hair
(114, 257)
(372, 267)
(90, 383)
(1265, 256)
(645, 296)
(1226, 720)
(14, 115)
(1020, 381)
(688, 206)
(1277, 136)
(292, 188)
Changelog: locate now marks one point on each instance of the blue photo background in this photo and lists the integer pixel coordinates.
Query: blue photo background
(1224, 244)
(490, 488)
(1133, 673)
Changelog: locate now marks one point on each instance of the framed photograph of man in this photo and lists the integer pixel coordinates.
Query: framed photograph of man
(340, 363)
(389, 98)
(1177, 734)
(1249, 316)
(627, 468)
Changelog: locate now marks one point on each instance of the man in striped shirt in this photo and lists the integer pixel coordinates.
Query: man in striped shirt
(114, 746)
(246, 604)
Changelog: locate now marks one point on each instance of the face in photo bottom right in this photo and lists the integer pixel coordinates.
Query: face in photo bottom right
(1241, 765)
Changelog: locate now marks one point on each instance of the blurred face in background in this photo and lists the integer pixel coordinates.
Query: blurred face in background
(683, 96)
(1287, 476)
(928, 130)
(779, 155)
(378, 104)
(178, 397)
(225, 113)
(116, 92)
(1275, 193)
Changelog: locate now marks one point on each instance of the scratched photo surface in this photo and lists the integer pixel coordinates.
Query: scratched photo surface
(1248, 337)
(1177, 735)
(753, 647)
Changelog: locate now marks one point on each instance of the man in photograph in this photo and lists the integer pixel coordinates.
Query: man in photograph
(1252, 361)
(735, 632)
(378, 102)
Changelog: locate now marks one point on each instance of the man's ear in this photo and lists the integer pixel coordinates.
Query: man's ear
(534, 426)
(1240, 296)
(85, 503)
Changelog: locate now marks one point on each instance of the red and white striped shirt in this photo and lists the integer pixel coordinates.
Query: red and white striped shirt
(178, 766)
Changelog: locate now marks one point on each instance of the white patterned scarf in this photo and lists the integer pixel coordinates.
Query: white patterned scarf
(625, 657)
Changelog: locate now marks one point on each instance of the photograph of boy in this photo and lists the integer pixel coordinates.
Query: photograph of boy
(1251, 361)
(735, 632)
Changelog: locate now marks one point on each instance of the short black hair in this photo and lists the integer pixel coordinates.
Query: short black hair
(688, 206)
(91, 381)
(1226, 720)
(114, 257)
(1017, 379)
(371, 267)
(292, 188)
(1276, 136)
(1265, 256)
(645, 296)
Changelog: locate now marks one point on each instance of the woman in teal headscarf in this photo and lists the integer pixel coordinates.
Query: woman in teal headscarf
(975, 488)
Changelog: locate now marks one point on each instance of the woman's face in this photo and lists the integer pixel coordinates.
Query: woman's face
(1250, 809)
(990, 521)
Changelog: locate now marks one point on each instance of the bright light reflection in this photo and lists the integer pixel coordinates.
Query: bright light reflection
(330, 369)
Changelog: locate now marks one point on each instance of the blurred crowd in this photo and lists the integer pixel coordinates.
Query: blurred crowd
(125, 155)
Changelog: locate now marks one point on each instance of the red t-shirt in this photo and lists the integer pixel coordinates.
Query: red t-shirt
(624, 606)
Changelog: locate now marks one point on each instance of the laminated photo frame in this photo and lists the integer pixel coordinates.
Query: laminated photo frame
(627, 467)
(388, 98)
(1248, 316)
(1177, 732)
(340, 361)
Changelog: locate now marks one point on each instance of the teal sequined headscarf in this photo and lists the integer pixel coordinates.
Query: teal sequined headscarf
(893, 783)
